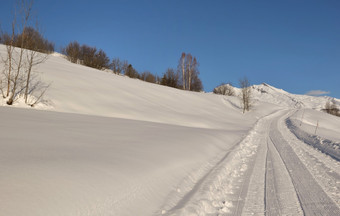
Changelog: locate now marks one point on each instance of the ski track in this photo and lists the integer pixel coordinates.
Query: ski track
(280, 196)
(324, 168)
(224, 190)
(271, 191)
(267, 173)
(313, 198)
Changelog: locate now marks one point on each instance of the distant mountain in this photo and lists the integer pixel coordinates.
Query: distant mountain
(269, 94)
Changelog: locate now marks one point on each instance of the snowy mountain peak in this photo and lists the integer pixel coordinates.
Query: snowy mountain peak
(269, 94)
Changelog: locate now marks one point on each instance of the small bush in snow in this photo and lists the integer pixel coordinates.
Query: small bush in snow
(225, 89)
(331, 108)
(86, 55)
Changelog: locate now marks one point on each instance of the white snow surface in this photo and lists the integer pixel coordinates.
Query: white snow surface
(318, 123)
(105, 144)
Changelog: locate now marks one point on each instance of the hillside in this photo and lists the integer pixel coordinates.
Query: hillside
(104, 144)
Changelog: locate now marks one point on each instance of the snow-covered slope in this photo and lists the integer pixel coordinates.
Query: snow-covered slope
(68, 164)
(114, 146)
(79, 89)
(327, 125)
(106, 144)
(265, 92)
(269, 94)
(83, 90)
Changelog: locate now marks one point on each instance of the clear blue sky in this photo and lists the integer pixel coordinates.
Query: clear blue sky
(290, 44)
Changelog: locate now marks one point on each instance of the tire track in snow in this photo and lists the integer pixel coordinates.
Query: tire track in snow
(199, 183)
(280, 194)
(263, 192)
(207, 195)
(313, 199)
(254, 204)
(224, 189)
(241, 185)
(325, 170)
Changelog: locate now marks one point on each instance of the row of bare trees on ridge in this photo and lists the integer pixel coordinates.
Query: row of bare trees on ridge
(185, 77)
(26, 48)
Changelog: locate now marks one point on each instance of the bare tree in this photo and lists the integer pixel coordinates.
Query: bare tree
(33, 58)
(22, 55)
(245, 94)
(87, 55)
(196, 83)
(188, 70)
(101, 61)
(147, 76)
(131, 72)
(182, 68)
(25, 8)
(36, 41)
(158, 79)
(125, 66)
(29, 38)
(72, 51)
(8, 40)
(189, 74)
(170, 78)
(116, 66)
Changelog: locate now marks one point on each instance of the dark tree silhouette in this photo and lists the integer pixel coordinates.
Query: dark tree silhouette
(170, 78)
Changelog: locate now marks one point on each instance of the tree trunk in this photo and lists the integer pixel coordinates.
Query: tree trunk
(29, 75)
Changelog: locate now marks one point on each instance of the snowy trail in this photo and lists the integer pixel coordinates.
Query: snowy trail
(313, 199)
(263, 175)
(324, 168)
(270, 190)
(224, 190)
(280, 194)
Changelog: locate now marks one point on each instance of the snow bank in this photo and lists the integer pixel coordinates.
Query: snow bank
(318, 129)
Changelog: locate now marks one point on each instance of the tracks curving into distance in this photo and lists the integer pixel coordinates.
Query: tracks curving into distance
(265, 174)
(290, 179)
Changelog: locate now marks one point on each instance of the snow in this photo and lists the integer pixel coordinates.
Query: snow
(328, 125)
(87, 164)
(110, 143)
(325, 169)
(79, 89)
(105, 144)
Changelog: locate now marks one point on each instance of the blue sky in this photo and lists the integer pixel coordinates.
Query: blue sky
(293, 45)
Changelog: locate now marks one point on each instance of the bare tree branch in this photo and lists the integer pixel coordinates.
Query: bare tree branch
(245, 94)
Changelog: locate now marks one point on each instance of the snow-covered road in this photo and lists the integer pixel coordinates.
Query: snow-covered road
(312, 198)
(270, 172)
